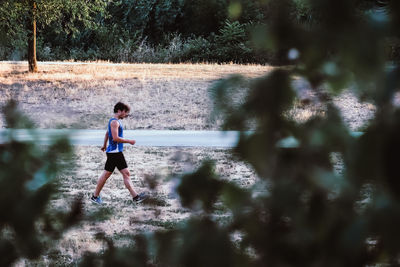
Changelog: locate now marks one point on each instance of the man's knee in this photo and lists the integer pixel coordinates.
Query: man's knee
(125, 173)
(107, 174)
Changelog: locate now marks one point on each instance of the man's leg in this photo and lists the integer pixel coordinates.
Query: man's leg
(100, 183)
(127, 181)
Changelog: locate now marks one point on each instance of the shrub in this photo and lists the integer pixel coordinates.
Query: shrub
(28, 175)
(232, 43)
(197, 49)
(144, 53)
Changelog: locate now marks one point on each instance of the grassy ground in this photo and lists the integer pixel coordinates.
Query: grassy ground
(161, 97)
(82, 96)
(120, 216)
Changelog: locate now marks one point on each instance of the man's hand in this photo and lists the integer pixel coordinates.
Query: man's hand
(103, 148)
(132, 142)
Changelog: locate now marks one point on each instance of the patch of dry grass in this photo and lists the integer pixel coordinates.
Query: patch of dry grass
(162, 96)
(124, 217)
(355, 114)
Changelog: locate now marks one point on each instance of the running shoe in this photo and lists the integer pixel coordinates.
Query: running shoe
(140, 197)
(96, 200)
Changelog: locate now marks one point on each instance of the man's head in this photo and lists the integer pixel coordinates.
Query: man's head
(122, 110)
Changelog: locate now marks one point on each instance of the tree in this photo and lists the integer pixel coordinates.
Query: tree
(32, 62)
(27, 16)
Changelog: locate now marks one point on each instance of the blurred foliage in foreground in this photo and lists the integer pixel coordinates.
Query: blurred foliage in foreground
(27, 183)
(301, 212)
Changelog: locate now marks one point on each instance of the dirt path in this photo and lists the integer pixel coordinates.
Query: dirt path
(146, 138)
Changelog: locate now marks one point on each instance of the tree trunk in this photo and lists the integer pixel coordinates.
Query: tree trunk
(32, 39)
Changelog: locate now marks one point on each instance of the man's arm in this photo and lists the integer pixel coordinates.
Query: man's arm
(105, 142)
(114, 133)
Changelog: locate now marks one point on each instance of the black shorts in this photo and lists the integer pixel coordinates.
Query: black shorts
(115, 160)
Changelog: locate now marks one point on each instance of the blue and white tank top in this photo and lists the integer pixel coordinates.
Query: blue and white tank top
(113, 146)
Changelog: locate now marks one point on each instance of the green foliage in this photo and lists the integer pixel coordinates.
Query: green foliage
(203, 17)
(13, 39)
(115, 30)
(201, 186)
(302, 11)
(312, 215)
(27, 182)
(232, 44)
(197, 49)
(59, 23)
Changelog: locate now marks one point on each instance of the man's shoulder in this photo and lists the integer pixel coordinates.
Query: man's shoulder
(114, 122)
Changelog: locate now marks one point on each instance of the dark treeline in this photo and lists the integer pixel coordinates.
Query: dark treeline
(148, 30)
(136, 31)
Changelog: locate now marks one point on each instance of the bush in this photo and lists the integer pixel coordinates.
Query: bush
(232, 43)
(145, 53)
(197, 49)
(28, 175)
(177, 50)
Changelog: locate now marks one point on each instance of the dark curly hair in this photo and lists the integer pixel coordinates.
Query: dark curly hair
(121, 106)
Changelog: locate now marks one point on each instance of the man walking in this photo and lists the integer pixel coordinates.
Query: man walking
(115, 157)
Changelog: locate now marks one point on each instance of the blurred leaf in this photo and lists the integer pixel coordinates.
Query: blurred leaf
(14, 118)
(200, 188)
(27, 175)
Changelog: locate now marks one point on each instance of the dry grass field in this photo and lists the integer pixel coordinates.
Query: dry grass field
(173, 97)
(162, 97)
(126, 218)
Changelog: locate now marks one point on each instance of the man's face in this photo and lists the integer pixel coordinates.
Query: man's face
(123, 114)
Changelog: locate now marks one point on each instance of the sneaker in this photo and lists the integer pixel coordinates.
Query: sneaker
(96, 200)
(140, 197)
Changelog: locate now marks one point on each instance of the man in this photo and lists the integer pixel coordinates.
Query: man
(115, 157)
